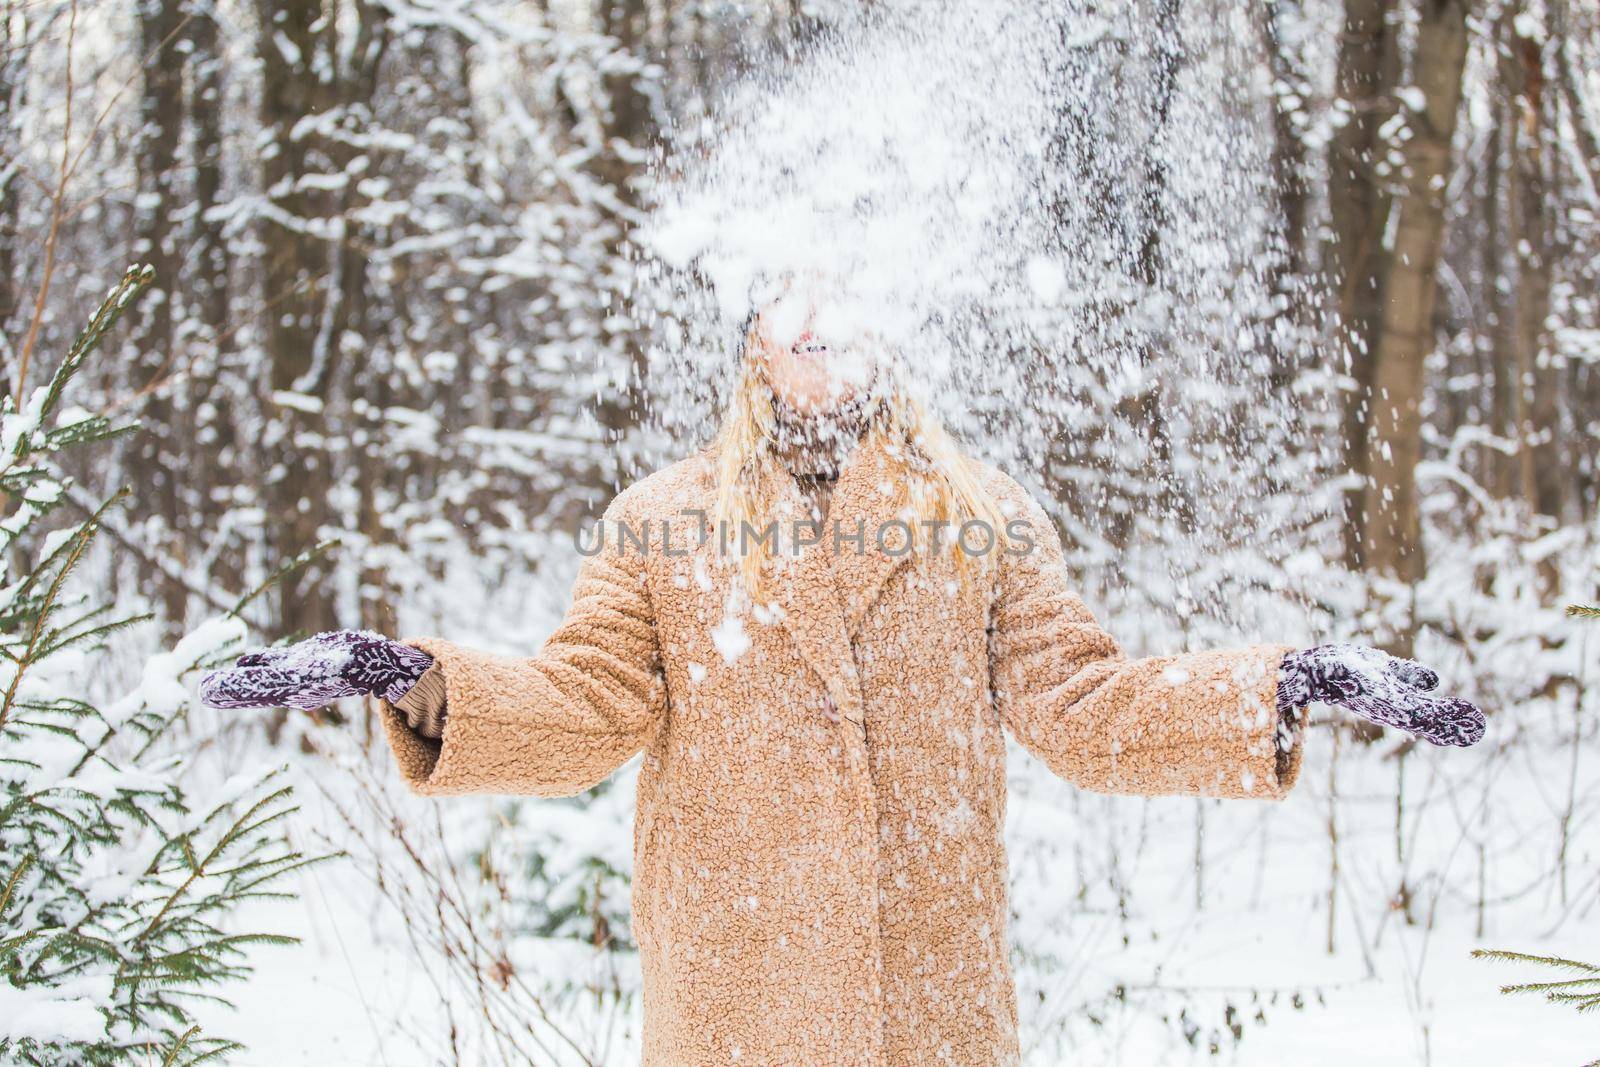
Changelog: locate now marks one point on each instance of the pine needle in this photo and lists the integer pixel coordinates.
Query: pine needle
(1524, 957)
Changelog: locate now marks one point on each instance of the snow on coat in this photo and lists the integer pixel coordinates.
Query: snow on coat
(820, 875)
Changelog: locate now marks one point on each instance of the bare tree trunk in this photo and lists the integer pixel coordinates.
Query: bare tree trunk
(13, 57)
(1146, 408)
(1288, 148)
(1522, 73)
(1368, 66)
(156, 460)
(1579, 397)
(207, 85)
(628, 125)
(1392, 530)
(1540, 478)
(314, 285)
(213, 444)
(1499, 476)
(295, 276)
(1289, 182)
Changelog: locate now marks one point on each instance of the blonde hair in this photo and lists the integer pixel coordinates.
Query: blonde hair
(937, 484)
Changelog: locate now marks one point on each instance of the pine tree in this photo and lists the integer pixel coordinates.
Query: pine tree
(1582, 992)
(115, 883)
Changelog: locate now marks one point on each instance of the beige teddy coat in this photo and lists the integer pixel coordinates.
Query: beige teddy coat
(820, 871)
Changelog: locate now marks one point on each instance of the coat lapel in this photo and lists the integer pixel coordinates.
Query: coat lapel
(802, 583)
(873, 535)
(827, 588)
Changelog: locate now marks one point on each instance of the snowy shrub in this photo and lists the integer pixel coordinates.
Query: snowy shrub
(1579, 986)
(115, 884)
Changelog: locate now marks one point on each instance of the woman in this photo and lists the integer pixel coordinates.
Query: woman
(818, 631)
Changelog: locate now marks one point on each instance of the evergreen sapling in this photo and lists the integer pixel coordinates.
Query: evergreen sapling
(116, 884)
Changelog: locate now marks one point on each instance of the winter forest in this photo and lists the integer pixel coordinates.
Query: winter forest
(1286, 310)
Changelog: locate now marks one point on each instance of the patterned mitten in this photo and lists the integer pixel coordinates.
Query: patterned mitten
(309, 674)
(1380, 688)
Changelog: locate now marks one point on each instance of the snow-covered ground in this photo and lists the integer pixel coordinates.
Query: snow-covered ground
(1105, 896)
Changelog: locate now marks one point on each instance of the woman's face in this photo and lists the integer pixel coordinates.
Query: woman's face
(806, 363)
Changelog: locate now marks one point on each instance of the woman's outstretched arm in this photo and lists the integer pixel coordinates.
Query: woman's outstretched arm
(1202, 723)
(1199, 723)
(550, 725)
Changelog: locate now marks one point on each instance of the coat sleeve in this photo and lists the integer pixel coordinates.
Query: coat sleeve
(1201, 723)
(556, 723)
